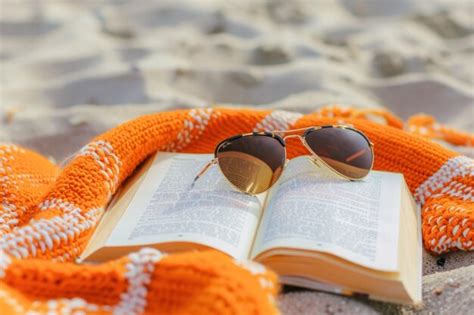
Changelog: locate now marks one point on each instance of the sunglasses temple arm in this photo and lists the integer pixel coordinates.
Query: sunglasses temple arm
(204, 170)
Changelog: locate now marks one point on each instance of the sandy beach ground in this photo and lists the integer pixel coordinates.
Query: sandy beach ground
(71, 70)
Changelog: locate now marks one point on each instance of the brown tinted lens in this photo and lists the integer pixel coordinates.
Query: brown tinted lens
(345, 150)
(252, 163)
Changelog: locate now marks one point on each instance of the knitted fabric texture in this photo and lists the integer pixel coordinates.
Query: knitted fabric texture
(47, 215)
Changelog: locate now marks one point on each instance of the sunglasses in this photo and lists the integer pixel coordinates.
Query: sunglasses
(253, 162)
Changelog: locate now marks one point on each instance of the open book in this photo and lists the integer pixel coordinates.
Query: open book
(314, 230)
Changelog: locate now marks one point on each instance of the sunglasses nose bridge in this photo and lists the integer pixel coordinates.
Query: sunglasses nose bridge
(293, 136)
(303, 141)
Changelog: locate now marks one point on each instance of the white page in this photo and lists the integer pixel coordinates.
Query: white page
(358, 221)
(167, 209)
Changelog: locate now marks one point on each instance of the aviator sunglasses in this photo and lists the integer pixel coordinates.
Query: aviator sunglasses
(253, 162)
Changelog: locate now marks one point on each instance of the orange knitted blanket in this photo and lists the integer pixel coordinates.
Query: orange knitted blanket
(47, 214)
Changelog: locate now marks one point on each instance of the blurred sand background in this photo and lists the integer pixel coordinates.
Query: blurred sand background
(69, 70)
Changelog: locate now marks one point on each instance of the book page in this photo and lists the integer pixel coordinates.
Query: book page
(355, 220)
(167, 208)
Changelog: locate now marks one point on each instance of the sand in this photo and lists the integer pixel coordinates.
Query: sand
(71, 70)
(444, 293)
